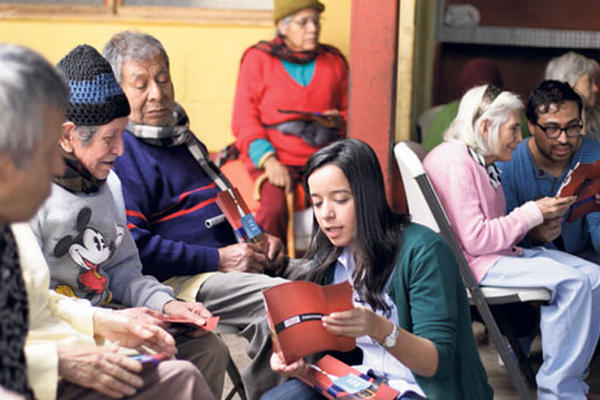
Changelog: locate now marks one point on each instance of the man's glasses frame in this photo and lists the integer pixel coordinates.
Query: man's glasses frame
(554, 131)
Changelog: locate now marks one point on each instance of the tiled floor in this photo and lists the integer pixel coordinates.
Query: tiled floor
(503, 389)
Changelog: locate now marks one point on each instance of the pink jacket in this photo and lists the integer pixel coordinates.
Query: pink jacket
(477, 211)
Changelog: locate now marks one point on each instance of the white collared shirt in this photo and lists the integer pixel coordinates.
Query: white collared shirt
(375, 356)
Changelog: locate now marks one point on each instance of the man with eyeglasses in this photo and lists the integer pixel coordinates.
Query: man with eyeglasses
(540, 164)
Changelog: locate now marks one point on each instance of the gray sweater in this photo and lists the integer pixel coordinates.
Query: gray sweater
(89, 250)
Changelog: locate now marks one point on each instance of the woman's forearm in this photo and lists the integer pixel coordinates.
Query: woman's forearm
(418, 354)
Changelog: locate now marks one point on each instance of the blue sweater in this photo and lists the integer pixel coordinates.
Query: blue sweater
(168, 197)
(523, 180)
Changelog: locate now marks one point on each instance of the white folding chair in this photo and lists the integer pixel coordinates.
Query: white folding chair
(425, 208)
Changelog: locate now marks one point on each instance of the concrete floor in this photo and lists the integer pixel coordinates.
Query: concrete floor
(498, 378)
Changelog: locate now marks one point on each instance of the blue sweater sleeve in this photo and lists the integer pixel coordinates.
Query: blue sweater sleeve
(161, 257)
(593, 222)
(258, 149)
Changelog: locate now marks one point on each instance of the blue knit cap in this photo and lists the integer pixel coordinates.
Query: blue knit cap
(96, 97)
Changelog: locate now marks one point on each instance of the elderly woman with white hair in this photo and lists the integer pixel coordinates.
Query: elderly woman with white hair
(462, 171)
(577, 70)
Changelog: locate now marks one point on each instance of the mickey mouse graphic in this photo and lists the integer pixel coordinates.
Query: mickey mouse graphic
(89, 249)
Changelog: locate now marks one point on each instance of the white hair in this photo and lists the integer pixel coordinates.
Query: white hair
(570, 67)
(28, 84)
(467, 125)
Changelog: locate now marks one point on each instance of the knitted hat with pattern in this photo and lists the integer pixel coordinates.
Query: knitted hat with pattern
(283, 8)
(96, 97)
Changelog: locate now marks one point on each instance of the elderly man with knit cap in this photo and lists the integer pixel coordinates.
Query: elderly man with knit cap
(82, 226)
(50, 345)
(291, 99)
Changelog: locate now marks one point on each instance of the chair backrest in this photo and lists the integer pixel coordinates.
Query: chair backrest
(411, 169)
(425, 207)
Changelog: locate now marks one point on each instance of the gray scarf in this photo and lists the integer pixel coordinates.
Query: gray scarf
(178, 134)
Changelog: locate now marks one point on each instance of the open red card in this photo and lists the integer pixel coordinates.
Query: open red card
(182, 325)
(582, 181)
(294, 311)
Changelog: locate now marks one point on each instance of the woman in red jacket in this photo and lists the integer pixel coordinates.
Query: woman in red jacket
(291, 99)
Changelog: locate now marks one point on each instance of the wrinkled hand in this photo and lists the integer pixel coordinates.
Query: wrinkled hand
(100, 369)
(554, 207)
(331, 119)
(356, 322)
(546, 232)
(133, 333)
(278, 174)
(194, 311)
(275, 254)
(298, 367)
(242, 257)
(143, 314)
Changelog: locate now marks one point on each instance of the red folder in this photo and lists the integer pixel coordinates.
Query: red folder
(294, 310)
(334, 379)
(582, 181)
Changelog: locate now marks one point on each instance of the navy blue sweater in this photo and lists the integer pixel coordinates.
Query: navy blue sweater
(168, 197)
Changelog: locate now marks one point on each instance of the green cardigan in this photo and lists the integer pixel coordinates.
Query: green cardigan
(432, 303)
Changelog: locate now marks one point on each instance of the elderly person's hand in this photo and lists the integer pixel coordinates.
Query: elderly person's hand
(242, 257)
(546, 232)
(144, 314)
(99, 368)
(194, 311)
(138, 334)
(275, 254)
(554, 207)
(278, 174)
(331, 119)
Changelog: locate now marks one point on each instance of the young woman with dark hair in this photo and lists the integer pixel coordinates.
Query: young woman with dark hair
(411, 318)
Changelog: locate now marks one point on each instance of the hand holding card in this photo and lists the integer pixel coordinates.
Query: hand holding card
(181, 325)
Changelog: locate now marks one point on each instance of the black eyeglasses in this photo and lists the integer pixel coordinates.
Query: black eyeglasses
(554, 131)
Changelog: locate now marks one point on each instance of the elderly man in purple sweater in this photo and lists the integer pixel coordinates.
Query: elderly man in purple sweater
(170, 187)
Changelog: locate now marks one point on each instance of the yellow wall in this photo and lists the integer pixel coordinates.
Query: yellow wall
(204, 58)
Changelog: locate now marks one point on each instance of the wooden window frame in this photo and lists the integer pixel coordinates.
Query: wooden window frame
(114, 11)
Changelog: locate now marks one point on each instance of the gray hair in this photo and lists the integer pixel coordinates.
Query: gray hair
(468, 131)
(570, 67)
(86, 132)
(28, 83)
(285, 21)
(131, 46)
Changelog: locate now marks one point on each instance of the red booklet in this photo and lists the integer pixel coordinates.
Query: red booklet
(333, 379)
(295, 309)
(179, 325)
(582, 181)
(240, 218)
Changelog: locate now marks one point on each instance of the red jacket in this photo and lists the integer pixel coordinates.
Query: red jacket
(264, 86)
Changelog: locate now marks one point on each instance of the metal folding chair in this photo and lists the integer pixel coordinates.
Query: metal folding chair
(232, 371)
